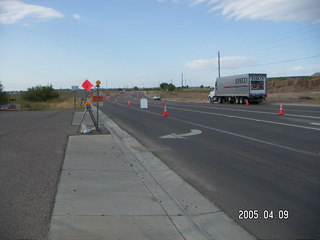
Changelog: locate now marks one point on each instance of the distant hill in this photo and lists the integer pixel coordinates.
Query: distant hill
(294, 84)
(316, 74)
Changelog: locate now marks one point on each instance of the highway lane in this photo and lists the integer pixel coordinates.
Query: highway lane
(269, 163)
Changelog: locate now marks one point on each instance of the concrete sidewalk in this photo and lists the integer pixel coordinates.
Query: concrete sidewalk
(111, 187)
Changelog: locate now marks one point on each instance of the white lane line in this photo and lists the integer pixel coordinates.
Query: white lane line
(245, 118)
(198, 104)
(248, 138)
(317, 124)
(241, 110)
(235, 134)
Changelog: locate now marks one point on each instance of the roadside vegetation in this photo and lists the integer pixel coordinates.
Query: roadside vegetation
(40, 94)
(64, 101)
(3, 96)
(182, 94)
(303, 90)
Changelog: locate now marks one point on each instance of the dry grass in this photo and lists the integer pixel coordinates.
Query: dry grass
(307, 97)
(191, 95)
(65, 101)
(198, 95)
(305, 91)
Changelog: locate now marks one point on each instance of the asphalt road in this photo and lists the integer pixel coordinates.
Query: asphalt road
(32, 147)
(248, 160)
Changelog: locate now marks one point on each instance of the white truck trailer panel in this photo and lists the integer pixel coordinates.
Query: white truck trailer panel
(244, 85)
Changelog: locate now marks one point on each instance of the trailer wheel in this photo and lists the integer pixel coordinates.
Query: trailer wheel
(220, 100)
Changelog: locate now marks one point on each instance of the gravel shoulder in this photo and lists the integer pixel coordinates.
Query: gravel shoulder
(32, 151)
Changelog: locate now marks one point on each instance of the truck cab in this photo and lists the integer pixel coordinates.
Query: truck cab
(212, 94)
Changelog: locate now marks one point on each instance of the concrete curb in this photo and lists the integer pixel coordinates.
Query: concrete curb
(193, 215)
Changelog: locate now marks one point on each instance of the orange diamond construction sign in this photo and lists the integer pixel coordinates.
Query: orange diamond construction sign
(87, 85)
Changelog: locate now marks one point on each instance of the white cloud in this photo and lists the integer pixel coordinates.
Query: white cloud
(76, 16)
(11, 11)
(305, 70)
(298, 68)
(274, 10)
(201, 63)
(196, 2)
(226, 62)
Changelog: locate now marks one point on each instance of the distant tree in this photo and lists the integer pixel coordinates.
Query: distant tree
(135, 88)
(40, 93)
(166, 86)
(163, 85)
(3, 95)
(171, 87)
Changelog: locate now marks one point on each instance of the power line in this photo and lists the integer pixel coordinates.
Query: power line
(270, 40)
(255, 65)
(272, 63)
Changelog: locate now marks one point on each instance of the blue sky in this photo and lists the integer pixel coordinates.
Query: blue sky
(126, 43)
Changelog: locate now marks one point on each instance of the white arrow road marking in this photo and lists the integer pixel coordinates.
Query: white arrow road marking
(183, 135)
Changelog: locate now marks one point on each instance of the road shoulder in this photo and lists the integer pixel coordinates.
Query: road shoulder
(112, 187)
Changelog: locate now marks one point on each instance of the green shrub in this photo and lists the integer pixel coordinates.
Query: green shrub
(3, 96)
(167, 86)
(40, 94)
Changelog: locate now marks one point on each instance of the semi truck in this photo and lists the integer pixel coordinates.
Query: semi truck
(251, 87)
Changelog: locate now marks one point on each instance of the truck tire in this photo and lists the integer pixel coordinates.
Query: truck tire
(211, 100)
(220, 100)
(259, 101)
(237, 100)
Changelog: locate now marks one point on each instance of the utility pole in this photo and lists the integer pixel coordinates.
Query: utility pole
(218, 63)
(98, 82)
(181, 79)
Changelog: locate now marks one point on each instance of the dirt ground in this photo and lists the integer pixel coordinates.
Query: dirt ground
(309, 97)
(303, 97)
(31, 156)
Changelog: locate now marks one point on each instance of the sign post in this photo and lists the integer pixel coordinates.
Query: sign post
(98, 86)
(74, 89)
(87, 86)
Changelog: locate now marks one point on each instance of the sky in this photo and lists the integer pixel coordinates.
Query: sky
(127, 43)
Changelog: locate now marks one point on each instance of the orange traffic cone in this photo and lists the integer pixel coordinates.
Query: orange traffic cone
(117, 100)
(247, 102)
(162, 102)
(129, 104)
(165, 112)
(281, 112)
(204, 101)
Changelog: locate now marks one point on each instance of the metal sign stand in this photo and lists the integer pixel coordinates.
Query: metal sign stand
(88, 109)
(98, 86)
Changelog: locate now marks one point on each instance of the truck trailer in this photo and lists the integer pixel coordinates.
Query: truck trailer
(251, 87)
